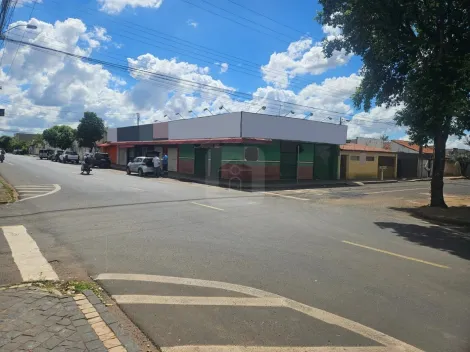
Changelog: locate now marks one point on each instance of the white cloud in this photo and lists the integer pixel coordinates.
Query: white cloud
(45, 88)
(223, 67)
(302, 57)
(116, 6)
(192, 23)
(23, 2)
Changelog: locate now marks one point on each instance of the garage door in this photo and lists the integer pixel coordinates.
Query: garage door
(172, 159)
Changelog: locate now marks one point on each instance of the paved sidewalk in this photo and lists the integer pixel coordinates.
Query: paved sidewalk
(37, 320)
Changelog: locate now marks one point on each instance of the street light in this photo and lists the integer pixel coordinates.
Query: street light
(328, 118)
(309, 115)
(223, 107)
(28, 26)
(192, 112)
(180, 115)
(206, 109)
(290, 112)
(262, 108)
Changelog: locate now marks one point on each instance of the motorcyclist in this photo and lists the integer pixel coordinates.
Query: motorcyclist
(86, 162)
(2, 155)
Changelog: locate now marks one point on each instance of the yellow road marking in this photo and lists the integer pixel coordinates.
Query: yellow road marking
(284, 196)
(397, 255)
(208, 206)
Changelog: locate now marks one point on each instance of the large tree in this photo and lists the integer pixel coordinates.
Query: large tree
(90, 130)
(5, 143)
(50, 135)
(65, 136)
(415, 54)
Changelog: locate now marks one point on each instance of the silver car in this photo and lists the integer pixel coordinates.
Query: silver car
(142, 165)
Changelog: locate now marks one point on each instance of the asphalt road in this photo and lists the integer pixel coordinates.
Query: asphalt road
(262, 269)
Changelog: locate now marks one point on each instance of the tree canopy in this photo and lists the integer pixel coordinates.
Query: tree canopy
(59, 136)
(5, 142)
(90, 130)
(416, 55)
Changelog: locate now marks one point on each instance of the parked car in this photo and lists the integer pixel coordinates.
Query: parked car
(18, 151)
(101, 160)
(69, 157)
(45, 153)
(56, 155)
(142, 165)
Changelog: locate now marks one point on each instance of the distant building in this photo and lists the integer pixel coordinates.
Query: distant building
(25, 137)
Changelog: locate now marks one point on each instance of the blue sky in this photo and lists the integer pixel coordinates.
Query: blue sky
(220, 43)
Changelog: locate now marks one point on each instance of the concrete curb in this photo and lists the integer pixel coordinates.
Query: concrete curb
(105, 325)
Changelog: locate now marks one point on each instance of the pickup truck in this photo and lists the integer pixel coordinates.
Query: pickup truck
(69, 157)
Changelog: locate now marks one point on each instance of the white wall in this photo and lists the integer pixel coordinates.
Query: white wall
(287, 128)
(371, 142)
(112, 135)
(219, 126)
(395, 147)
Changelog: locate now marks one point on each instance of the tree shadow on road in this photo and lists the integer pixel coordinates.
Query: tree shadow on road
(456, 243)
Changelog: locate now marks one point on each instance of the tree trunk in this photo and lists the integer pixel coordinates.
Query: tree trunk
(437, 182)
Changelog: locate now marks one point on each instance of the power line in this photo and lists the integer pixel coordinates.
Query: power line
(24, 32)
(269, 18)
(295, 82)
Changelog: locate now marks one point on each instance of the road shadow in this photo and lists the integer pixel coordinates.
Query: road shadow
(456, 243)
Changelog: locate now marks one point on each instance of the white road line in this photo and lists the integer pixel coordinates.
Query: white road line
(391, 343)
(200, 301)
(396, 190)
(284, 196)
(138, 189)
(27, 256)
(55, 190)
(20, 191)
(34, 186)
(208, 348)
(207, 206)
(10, 164)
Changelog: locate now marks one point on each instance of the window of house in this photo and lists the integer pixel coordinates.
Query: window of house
(370, 158)
(354, 158)
(251, 154)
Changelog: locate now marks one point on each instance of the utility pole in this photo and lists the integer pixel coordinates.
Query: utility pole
(138, 118)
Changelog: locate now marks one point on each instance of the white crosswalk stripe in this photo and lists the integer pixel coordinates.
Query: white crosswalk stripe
(26, 254)
(35, 191)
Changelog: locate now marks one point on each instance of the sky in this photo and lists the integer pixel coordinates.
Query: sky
(165, 58)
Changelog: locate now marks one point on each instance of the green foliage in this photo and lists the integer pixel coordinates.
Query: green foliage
(38, 141)
(417, 55)
(59, 136)
(5, 143)
(50, 135)
(90, 130)
(65, 136)
(15, 143)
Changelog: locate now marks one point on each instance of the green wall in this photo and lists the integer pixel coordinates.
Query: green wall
(236, 153)
(186, 151)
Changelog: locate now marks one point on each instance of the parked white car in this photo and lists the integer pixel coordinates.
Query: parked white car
(142, 165)
(69, 157)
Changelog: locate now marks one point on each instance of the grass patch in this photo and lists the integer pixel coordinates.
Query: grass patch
(70, 287)
(6, 192)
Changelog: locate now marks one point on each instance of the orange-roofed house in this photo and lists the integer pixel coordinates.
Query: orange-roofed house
(364, 162)
(408, 165)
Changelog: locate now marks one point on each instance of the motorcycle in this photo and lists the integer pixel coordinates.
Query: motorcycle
(86, 168)
(2, 157)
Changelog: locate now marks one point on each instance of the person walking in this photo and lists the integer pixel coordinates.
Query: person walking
(156, 165)
(165, 164)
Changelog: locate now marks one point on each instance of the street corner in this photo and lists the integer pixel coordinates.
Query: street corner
(38, 316)
(189, 315)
